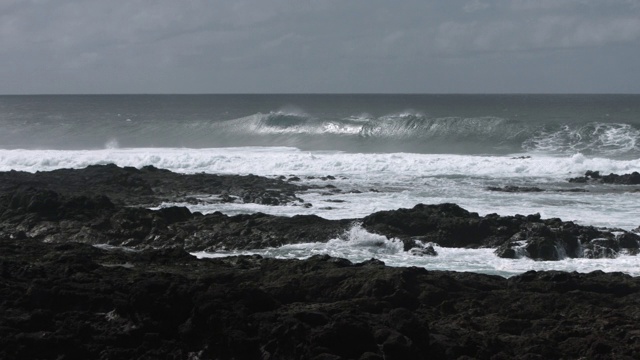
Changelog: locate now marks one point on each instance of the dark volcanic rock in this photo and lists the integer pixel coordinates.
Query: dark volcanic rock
(61, 301)
(610, 247)
(71, 205)
(255, 231)
(51, 217)
(423, 251)
(449, 225)
(529, 189)
(151, 186)
(446, 225)
(61, 298)
(594, 176)
(512, 188)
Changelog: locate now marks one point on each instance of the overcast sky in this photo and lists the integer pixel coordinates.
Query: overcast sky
(298, 46)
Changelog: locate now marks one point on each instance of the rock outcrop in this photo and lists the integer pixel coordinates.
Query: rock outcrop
(75, 301)
(61, 297)
(150, 186)
(594, 176)
(449, 225)
(49, 216)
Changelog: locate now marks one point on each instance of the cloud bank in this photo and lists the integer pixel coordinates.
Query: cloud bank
(198, 46)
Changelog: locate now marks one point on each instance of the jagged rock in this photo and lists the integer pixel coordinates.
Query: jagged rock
(150, 186)
(60, 298)
(81, 213)
(594, 176)
(53, 217)
(507, 250)
(446, 225)
(423, 251)
(49, 216)
(601, 248)
(628, 240)
(512, 188)
(75, 301)
(449, 225)
(524, 189)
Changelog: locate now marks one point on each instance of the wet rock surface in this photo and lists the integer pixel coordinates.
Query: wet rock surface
(529, 189)
(48, 216)
(150, 186)
(449, 225)
(61, 297)
(76, 301)
(61, 210)
(595, 176)
(515, 189)
(105, 204)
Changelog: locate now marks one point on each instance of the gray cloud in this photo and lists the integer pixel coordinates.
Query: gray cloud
(475, 5)
(544, 32)
(77, 46)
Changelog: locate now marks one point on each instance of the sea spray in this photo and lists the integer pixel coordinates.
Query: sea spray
(384, 152)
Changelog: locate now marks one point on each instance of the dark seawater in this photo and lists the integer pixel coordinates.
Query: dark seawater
(598, 125)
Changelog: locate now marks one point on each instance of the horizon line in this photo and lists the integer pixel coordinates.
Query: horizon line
(318, 93)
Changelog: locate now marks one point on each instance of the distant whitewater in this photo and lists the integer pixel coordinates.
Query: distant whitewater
(384, 151)
(598, 125)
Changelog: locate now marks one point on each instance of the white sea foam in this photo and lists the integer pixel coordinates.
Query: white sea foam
(284, 160)
(358, 245)
(374, 182)
(607, 139)
(564, 137)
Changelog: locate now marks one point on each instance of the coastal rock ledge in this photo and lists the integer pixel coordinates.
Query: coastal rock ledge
(449, 225)
(87, 271)
(76, 301)
(59, 207)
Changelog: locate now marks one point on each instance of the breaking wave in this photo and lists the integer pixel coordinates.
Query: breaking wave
(416, 132)
(415, 125)
(332, 129)
(280, 122)
(590, 139)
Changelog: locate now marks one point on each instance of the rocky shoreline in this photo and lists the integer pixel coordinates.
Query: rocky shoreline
(76, 301)
(106, 204)
(64, 298)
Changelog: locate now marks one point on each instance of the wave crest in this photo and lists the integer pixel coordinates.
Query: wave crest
(294, 123)
(417, 132)
(280, 119)
(418, 126)
(611, 139)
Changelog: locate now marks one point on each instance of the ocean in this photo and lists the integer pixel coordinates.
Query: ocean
(384, 151)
